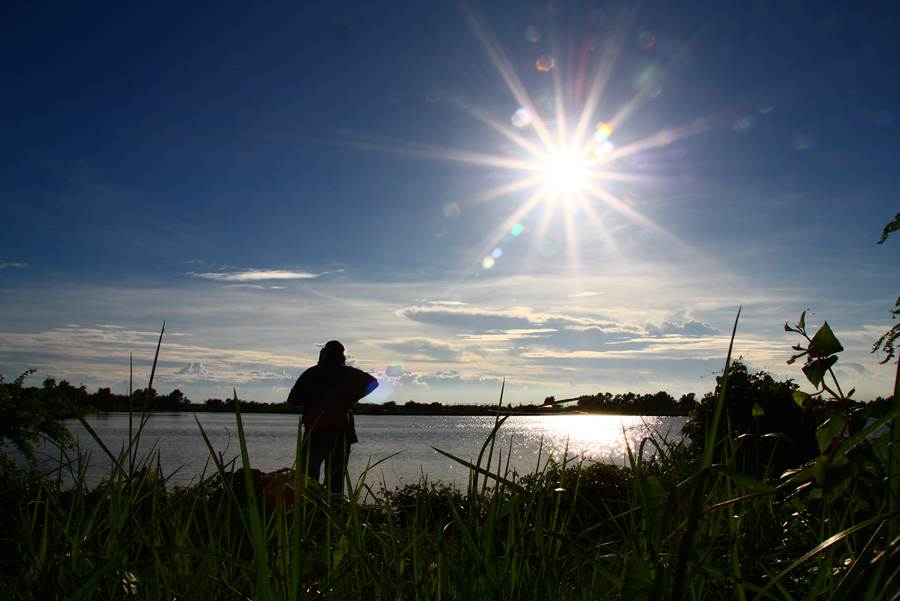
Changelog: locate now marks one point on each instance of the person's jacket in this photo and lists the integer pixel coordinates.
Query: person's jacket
(325, 394)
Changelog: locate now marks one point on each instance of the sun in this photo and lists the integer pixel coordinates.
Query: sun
(566, 174)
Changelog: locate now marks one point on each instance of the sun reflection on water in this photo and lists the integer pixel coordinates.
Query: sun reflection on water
(593, 437)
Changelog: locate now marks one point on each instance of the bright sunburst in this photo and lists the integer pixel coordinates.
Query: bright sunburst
(572, 164)
(566, 174)
(568, 155)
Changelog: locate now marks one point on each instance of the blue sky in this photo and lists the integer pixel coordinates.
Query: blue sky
(571, 196)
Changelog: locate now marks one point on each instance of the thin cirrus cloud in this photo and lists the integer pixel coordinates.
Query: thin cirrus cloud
(584, 294)
(255, 275)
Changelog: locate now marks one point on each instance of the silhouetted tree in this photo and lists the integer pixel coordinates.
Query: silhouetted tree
(686, 402)
(30, 415)
(761, 415)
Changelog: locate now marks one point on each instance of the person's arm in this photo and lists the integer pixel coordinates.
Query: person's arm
(371, 385)
(362, 384)
(300, 391)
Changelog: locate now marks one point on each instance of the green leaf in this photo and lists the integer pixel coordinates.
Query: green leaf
(802, 324)
(803, 475)
(893, 226)
(833, 476)
(825, 342)
(820, 469)
(815, 370)
(757, 411)
(638, 581)
(837, 478)
(827, 431)
(748, 482)
(800, 397)
(657, 505)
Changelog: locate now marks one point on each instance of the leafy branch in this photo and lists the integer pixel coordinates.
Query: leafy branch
(888, 339)
(821, 354)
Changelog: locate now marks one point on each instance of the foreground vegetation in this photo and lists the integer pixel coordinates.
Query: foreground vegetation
(779, 495)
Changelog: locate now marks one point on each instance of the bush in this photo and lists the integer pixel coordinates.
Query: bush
(31, 415)
(770, 431)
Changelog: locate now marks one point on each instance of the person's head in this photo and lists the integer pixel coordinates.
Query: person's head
(332, 353)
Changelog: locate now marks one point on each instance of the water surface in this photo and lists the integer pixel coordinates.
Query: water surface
(401, 448)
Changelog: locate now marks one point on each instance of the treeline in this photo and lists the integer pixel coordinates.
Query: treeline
(148, 399)
(629, 403)
(414, 408)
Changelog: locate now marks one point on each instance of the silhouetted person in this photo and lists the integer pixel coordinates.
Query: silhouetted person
(325, 393)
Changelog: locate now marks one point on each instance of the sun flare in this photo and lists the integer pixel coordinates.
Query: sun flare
(566, 174)
(571, 156)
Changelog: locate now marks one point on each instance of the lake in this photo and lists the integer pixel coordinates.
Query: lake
(402, 446)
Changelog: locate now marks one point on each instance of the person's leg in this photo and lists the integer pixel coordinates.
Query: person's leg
(336, 464)
(314, 451)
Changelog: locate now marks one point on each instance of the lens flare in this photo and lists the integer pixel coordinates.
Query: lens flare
(604, 130)
(451, 211)
(802, 142)
(545, 63)
(603, 150)
(394, 371)
(646, 39)
(521, 118)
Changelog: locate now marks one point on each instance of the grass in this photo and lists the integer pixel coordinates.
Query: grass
(686, 523)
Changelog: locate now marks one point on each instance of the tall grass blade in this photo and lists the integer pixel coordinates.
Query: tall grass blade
(489, 441)
(112, 457)
(484, 471)
(208, 555)
(351, 541)
(894, 459)
(296, 564)
(155, 360)
(130, 412)
(220, 467)
(257, 531)
(145, 413)
(699, 486)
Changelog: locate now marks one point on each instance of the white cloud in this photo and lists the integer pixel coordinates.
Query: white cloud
(193, 369)
(584, 294)
(255, 275)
